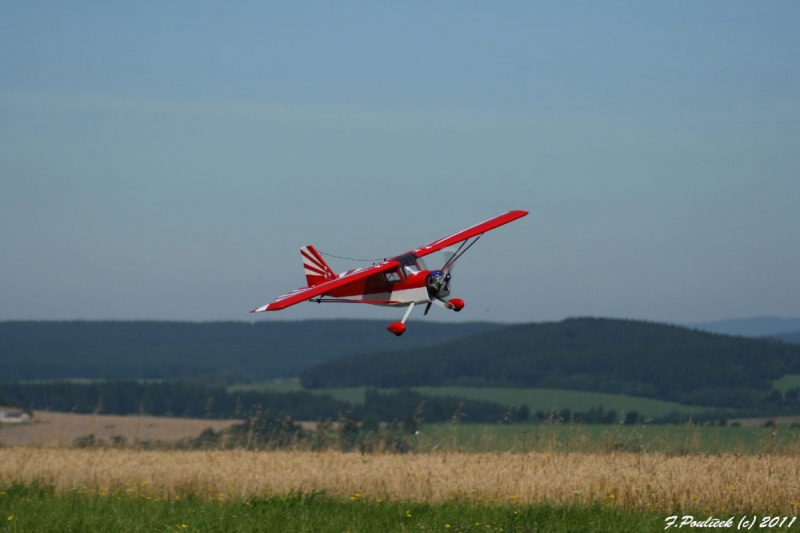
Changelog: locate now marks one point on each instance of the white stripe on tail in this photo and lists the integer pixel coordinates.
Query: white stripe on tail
(316, 269)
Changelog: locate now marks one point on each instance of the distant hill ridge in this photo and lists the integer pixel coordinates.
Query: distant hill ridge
(758, 326)
(793, 337)
(621, 356)
(166, 350)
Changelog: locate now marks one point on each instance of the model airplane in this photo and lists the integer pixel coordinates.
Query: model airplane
(402, 281)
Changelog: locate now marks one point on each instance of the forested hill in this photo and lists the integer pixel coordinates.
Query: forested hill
(165, 350)
(793, 338)
(631, 357)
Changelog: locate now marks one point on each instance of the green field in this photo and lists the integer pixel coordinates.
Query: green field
(545, 400)
(789, 381)
(585, 438)
(39, 509)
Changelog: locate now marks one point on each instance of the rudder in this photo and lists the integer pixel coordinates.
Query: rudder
(316, 269)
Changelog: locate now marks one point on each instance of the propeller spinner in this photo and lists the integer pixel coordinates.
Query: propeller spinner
(438, 284)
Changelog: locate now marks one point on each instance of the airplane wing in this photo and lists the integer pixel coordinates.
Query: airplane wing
(306, 293)
(472, 231)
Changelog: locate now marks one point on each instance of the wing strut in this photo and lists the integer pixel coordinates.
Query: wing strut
(458, 255)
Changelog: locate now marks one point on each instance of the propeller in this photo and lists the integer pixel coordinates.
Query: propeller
(449, 264)
(447, 268)
(449, 254)
(441, 303)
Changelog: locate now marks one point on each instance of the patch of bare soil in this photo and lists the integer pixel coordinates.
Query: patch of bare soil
(60, 429)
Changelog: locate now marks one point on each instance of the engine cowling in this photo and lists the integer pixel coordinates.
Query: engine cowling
(438, 284)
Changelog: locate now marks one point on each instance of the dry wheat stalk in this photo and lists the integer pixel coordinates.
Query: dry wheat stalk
(719, 483)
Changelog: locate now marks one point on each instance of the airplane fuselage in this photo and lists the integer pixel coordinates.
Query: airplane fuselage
(399, 287)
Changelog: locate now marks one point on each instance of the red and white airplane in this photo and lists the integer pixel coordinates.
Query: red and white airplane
(402, 281)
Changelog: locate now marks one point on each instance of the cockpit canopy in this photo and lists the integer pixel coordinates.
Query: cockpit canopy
(411, 264)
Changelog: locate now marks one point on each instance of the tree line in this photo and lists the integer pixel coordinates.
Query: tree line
(191, 399)
(405, 407)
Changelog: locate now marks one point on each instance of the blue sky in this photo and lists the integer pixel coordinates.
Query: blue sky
(168, 161)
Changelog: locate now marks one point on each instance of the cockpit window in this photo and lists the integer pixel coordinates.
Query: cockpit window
(418, 266)
(411, 269)
(393, 277)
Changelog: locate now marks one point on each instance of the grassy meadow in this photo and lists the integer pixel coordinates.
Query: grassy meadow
(789, 381)
(66, 489)
(464, 478)
(557, 477)
(644, 482)
(37, 509)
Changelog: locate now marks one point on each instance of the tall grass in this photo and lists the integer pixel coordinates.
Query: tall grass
(642, 481)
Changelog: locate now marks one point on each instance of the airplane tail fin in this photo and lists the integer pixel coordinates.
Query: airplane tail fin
(316, 269)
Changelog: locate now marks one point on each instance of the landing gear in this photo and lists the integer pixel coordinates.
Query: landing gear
(457, 304)
(398, 328)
